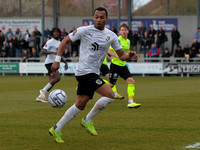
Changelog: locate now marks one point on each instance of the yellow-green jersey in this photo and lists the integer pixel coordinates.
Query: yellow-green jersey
(125, 43)
(105, 61)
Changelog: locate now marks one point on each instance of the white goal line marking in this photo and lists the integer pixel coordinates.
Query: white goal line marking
(196, 145)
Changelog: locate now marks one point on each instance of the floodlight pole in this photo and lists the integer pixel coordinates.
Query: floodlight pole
(119, 14)
(20, 8)
(55, 11)
(168, 7)
(43, 22)
(129, 17)
(198, 13)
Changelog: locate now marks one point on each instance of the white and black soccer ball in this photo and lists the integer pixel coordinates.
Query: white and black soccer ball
(57, 98)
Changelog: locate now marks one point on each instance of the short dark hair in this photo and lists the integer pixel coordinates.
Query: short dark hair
(101, 9)
(55, 29)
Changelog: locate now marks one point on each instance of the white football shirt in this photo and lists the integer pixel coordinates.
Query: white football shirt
(51, 46)
(93, 48)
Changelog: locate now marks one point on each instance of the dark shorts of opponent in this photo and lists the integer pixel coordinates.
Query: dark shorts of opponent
(116, 71)
(104, 70)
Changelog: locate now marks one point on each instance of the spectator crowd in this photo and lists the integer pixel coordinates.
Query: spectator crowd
(150, 43)
(14, 44)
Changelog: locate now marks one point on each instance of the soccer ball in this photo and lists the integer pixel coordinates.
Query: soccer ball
(57, 98)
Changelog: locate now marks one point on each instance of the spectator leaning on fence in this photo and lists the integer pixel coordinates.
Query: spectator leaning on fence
(154, 52)
(166, 54)
(179, 53)
(195, 47)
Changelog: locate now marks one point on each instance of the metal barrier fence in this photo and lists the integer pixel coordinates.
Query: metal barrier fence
(75, 59)
(144, 66)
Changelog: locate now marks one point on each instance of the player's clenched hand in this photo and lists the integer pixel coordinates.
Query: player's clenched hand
(133, 55)
(55, 66)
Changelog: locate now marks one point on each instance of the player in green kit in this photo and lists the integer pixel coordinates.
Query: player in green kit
(104, 70)
(119, 68)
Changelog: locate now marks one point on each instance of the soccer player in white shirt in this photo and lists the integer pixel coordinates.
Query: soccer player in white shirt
(95, 41)
(50, 49)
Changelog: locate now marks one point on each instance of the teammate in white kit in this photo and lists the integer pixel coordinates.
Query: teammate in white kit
(50, 49)
(95, 41)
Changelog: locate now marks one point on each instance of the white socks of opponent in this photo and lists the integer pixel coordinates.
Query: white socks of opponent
(73, 111)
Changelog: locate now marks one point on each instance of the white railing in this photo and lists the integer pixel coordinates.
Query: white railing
(144, 66)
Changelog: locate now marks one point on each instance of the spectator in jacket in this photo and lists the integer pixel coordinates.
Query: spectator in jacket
(195, 46)
(166, 54)
(162, 37)
(145, 43)
(64, 33)
(152, 33)
(37, 34)
(47, 32)
(4, 50)
(141, 30)
(156, 41)
(134, 40)
(179, 53)
(154, 52)
(197, 35)
(8, 32)
(175, 35)
(2, 39)
(18, 33)
(32, 45)
(186, 49)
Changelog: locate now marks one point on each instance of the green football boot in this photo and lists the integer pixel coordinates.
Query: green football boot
(89, 127)
(118, 96)
(56, 135)
(133, 105)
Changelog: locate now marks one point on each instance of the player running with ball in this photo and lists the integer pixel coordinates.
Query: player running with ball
(95, 41)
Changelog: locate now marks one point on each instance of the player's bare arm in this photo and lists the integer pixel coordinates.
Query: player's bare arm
(66, 65)
(112, 53)
(61, 49)
(124, 56)
(44, 51)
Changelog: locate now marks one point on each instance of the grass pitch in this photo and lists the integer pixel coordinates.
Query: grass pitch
(167, 120)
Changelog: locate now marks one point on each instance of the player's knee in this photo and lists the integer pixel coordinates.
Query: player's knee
(111, 85)
(58, 78)
(80, 106)
(130, 80)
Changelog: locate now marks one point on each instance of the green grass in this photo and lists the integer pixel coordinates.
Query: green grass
(168, 119)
